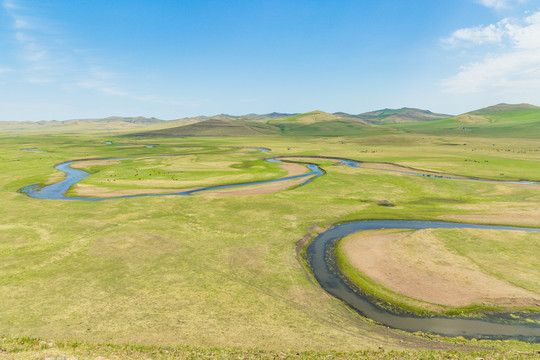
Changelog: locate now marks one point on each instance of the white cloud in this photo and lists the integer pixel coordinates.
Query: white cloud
(490, 34)
(513, 66)
(516, 71)
(528, 35)
(500, 4)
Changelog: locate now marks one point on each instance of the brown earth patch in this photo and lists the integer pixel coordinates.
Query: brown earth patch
(416, 264)
(269, 188)
(294, 169)
(97, 191)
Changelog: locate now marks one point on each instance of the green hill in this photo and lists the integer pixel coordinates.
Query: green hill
(397, 116)
(319, 123)
(215, 127)
(502, 120)
(314, 123)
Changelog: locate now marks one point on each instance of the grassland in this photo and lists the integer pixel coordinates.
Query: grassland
(218, 275)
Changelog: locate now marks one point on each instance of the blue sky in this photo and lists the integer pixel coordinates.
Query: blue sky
(170, 59)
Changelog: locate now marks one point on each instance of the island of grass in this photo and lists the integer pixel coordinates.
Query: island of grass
(453, 272)
(168, 174)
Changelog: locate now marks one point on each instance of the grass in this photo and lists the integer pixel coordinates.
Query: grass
(220, 272)
(31, 348)
(506, 255)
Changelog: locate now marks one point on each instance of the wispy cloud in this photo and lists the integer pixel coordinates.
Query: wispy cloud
(9, 4)
(108, 88)
(490, 34)
(34, 38)
(500, 4)
(47, 59)
(513, 65)
(104, 82)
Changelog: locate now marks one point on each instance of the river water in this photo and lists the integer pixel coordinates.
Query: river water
(322, 261)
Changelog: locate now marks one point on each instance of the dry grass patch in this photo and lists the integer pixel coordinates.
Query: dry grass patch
(86, 190)
(418, 265)
(85, 164)
(268, 188)
(517, 213)
(472, 119)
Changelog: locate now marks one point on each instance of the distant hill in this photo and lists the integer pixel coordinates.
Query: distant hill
(215, 127)
(502, 120)
(77, 125)
(110, 119)
(272, 115)
(131, 120)
(318, 123)
(397, 116)
(314, 123)
(220, 125)
(234, 117)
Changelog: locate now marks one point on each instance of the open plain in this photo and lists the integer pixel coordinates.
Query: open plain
(218, 274)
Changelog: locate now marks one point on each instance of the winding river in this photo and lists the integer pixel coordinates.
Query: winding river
(322, 261)
(321, 252)
(58, 190)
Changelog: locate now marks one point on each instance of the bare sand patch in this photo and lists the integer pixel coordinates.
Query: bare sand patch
(416, 264)
(83, 164)
(97, 191)
(294, 169)
(269, 188)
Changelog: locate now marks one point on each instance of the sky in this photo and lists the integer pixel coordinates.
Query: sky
(170, 59)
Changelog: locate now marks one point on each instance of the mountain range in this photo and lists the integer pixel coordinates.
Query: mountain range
(499, 121)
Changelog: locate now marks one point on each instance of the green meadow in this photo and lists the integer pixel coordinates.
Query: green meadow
(208, 276)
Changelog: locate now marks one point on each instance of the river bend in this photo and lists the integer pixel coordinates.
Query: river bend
(322, 261)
